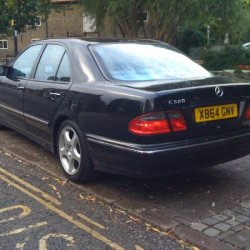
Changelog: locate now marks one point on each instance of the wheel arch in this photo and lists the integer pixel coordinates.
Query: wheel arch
(55, 128)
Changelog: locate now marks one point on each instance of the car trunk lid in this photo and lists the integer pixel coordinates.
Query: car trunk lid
(210, 106)
(211, 109)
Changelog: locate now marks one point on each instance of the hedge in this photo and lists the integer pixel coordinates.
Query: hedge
(228, 57)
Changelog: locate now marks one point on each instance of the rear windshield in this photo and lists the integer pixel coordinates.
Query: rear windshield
(145, 62)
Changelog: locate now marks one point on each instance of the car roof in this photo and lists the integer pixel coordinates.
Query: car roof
(98, 40)
(91, 41)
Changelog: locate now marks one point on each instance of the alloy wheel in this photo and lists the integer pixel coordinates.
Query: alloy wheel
(69, 150)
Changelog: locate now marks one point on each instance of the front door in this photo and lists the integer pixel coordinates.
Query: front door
(12, 88)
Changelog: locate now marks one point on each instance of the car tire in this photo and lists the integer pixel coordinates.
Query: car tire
(73, 153)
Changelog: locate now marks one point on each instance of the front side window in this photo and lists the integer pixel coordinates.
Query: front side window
(23, 65)
(49, 63)
(145, 62)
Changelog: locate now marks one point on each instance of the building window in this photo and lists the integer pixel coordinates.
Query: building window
(35, 40)
(88, 23)
(38, 21)
(142, 16)
(3, 44)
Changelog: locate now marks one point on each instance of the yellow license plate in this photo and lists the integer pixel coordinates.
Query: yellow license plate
(212, 113)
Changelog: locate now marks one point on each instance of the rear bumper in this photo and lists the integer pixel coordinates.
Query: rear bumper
(166, 158)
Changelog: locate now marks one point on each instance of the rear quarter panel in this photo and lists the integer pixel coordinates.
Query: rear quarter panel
(105, 109)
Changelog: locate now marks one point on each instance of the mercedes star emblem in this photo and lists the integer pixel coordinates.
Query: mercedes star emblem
(219, 91)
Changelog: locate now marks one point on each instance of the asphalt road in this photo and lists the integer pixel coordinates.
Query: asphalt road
(39, 211)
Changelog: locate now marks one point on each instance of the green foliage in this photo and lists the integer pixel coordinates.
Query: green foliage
(223, 16)
(164, 15)
(24, 12)
(228, 57)
(187, 39)
(167, 16)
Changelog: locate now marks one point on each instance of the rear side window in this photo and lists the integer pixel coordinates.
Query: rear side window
(49, 63)
(23, 65)
(63, 73)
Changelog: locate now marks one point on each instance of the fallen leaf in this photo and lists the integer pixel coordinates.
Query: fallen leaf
(133, 218)
(88, 198)
(53, 187)
(58, 194)
(120, 211)
(156, 230)
(82, 197)
(128, 221)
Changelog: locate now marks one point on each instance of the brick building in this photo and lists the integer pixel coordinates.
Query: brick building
(69, 22)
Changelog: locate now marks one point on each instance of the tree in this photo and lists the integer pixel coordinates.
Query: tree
(3, 18)
(166, 16)
(122, 13)
(22, 13)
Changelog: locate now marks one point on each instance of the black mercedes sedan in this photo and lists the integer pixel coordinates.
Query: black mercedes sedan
(131, 107)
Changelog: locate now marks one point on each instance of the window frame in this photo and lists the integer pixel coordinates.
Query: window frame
(7, 42)
(39, 23)
(64, 54)
(35, 62)
(38, 61)
(140, 12)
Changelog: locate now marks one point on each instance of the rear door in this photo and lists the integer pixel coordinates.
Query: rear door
(46, 90)
(12, 87)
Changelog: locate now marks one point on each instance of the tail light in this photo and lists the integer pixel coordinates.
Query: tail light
(150, 124)
(177, 120)
(157, 123)
(247, 115)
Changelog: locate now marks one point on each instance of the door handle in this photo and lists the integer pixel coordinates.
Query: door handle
(54, 95)
(20, 87)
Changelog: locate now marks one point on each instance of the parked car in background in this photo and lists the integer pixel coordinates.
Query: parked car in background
(132, 107)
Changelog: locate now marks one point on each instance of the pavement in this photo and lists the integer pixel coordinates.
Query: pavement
(209, 209)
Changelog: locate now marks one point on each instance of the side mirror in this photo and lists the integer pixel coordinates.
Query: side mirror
(3, 70)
